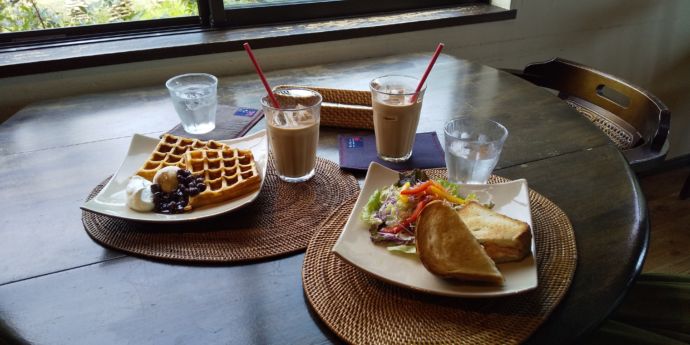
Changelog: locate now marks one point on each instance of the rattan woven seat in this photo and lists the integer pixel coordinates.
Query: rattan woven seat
(636, 121)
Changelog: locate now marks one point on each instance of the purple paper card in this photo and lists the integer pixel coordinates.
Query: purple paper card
(357, 151)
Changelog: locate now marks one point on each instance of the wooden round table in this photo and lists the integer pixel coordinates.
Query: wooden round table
(58, 286)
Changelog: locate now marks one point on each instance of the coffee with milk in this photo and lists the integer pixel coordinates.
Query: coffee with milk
(396, 110)
(293, 132)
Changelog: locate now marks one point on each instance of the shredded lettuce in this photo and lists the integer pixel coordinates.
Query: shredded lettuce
(386, 211)
(371, 208)
(452, 188)
(403, 248)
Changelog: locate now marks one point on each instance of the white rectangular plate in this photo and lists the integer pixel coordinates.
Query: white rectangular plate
(110, 201)
(355, 246)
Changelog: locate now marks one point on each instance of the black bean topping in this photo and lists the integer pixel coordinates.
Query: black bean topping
(175, 201)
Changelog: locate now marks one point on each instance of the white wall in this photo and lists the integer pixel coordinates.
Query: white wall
(646, 42)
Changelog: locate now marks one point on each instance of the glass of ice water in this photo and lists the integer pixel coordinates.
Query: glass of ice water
(473, 146)
(194, 96)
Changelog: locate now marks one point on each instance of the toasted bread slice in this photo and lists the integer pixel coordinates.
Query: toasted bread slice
(504, 239)
(447, 248)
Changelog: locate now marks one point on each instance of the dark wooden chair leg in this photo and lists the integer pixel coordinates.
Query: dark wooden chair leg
(685, 191)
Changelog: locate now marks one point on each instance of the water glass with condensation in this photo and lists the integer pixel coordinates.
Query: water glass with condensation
(473, 146)
(194, 96)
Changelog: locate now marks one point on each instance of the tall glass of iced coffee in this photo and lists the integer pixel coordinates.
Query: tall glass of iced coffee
(396, 115)
(293, 131)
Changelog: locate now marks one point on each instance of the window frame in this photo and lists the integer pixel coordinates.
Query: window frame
(213, 14)
(295, 12)
(189, 40)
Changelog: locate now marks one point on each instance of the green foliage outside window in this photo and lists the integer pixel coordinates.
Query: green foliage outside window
(25, 15)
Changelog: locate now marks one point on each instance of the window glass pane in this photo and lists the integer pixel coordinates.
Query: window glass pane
(229, 4)
(26, 15)
(260, 12)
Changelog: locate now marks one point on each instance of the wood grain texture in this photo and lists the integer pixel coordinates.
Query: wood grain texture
(132, 301)
(670, 220)
(608, 213)
(58, 286)
(42, 192)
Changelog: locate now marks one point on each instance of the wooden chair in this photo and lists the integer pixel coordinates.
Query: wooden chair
(634, 119)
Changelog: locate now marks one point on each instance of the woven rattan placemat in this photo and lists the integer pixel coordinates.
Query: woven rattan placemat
(281, 220)
(364, 310)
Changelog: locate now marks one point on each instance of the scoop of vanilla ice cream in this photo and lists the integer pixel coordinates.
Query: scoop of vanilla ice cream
(167, 178)
(139, 196)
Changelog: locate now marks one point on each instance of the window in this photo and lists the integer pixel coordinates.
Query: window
(23, 21)
(38, 36)
(28, 15)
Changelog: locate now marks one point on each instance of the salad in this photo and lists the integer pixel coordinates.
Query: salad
(392, 212)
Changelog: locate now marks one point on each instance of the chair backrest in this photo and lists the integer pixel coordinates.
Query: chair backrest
(610, 97)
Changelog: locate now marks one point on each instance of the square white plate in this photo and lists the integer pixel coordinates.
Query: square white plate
(110, 201)
(355, 247)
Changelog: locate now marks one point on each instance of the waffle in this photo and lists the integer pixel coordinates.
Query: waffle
(227, 173)
(170, 152)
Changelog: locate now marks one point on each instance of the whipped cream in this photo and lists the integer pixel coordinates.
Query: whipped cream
(139, 196)
(166, 178)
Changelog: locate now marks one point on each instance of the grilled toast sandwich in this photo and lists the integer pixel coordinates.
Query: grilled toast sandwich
(448, 249)
(504, 239)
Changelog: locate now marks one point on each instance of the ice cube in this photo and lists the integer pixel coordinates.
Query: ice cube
(280, 120)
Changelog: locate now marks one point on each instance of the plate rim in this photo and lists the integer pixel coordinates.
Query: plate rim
(447, 293)
(87, 205)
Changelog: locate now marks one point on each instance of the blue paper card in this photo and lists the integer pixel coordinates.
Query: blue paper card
(249, 112)
(357, 151)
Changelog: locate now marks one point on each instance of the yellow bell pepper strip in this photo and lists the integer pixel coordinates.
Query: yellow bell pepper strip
(432, 190)
(441, 192)
(417, 189)
(404, 198)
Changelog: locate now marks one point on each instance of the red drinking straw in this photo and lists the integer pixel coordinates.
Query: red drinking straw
(428, 70)
(261, 75)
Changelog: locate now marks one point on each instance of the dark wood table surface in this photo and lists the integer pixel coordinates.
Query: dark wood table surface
(57, 286)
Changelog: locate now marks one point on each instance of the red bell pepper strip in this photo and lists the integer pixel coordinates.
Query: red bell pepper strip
(417, 189)
(420, 206)
(392, 229)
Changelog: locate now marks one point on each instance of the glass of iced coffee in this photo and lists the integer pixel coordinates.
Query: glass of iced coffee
(293, 131)
(396, 115)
